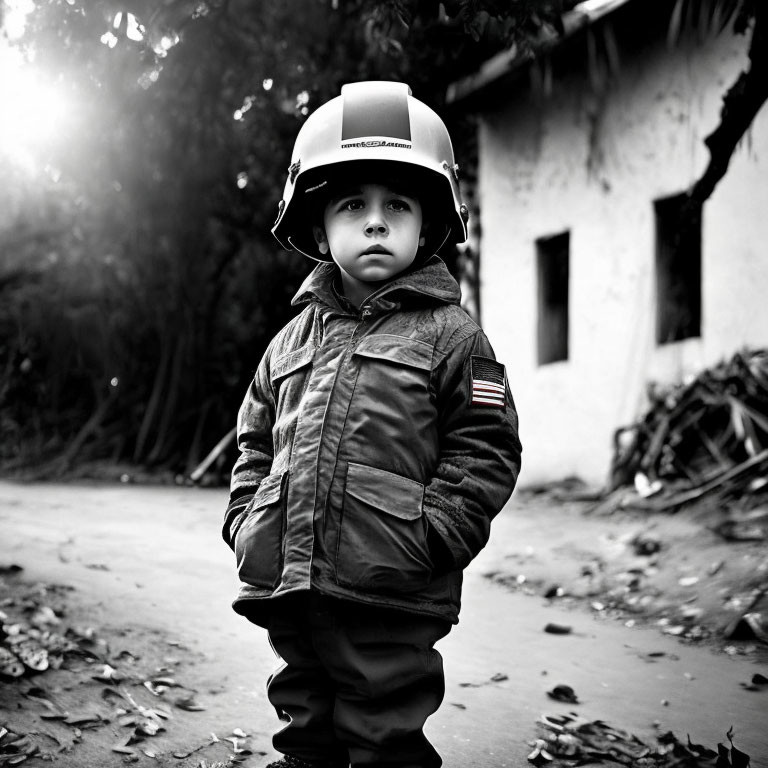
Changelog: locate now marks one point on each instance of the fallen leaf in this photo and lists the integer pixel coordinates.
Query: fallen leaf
(84, 718)
(10, 665)
(123, 750)
(558, 629)
(540, 756)
(701, 750)
(747, 627)
(733, 530)
(54, 711)
(188, 703)
(169, 682)
(107, 693)
(32, 656)
(563, 693)
(108, 675)
(148, 728)
(44, 616)
(128, 719)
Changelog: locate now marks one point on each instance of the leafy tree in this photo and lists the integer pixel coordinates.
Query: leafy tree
(139, 282)
(746, 96)
(139, 279)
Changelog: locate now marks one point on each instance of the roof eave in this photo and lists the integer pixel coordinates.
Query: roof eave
(506, 62)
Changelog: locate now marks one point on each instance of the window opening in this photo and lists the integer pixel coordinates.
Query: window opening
(678, 269)
(553, 256)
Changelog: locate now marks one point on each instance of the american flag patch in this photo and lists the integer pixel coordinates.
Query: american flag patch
(488, 382)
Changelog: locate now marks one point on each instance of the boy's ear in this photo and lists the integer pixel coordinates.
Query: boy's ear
(423, 234)
(320, 239)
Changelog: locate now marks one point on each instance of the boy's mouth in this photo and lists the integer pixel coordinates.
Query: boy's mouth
(380, 249)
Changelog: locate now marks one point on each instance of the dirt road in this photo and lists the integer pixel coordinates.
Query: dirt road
(151, 577)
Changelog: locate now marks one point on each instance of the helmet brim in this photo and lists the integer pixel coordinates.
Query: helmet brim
(315, 187)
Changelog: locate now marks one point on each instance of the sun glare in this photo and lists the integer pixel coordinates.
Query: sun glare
(34, 109)
(15, 14)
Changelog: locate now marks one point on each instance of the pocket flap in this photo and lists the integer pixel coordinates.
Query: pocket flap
(397, 349)
(269, 490)
(289, 362)
(391, 493)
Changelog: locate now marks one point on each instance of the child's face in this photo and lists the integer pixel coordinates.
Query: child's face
(372, 231)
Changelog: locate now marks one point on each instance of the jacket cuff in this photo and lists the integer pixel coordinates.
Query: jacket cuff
(233, 518)
(450, 525)
(442, 559)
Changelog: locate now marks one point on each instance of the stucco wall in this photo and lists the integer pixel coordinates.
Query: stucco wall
(535, 181)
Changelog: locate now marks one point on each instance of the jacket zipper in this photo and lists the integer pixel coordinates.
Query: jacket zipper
(365, 313)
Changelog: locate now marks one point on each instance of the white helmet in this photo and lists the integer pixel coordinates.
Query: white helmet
(372, 122)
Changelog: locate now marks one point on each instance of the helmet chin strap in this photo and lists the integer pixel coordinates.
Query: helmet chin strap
(442, 242)
(312, 256)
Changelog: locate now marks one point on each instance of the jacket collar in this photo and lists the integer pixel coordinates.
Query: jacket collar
(431, 281)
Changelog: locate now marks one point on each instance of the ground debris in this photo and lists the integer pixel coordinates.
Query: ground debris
(28, 644)
(706, 435)
(498, 677)
(552, 628)
(38, 647)
(15, 748)
(563, 693)
(751, 625)
(574, 740)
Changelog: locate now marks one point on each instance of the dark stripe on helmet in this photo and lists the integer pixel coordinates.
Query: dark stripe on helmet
(386, 115)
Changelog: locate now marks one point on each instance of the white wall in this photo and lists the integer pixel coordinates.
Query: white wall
(534, 182)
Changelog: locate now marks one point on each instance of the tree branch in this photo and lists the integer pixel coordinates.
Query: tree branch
(741, 104)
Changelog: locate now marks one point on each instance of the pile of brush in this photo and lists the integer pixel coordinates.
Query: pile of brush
(708, 434)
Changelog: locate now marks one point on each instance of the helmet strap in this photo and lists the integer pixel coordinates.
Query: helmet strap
(313, 256)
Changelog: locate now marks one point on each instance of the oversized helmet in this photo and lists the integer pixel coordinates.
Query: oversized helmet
(372, 122)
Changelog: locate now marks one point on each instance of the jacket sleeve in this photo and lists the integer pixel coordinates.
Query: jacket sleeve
(254, 439)
(479, 457)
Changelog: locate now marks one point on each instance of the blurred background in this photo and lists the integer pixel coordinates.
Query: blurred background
(143, 152)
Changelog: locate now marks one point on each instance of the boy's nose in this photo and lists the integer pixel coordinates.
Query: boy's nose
(376, 225)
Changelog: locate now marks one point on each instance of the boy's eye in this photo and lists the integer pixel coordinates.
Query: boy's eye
(399, 205)
(352, 205)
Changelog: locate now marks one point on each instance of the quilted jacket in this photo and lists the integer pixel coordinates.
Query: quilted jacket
(371, 465)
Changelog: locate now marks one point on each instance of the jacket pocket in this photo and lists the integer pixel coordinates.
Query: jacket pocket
(400, 350)
(291, 361)
(382, 538)
(259, 539)
(289, 375)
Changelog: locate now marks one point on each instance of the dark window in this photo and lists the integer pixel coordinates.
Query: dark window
(678, 269)
(552, 256)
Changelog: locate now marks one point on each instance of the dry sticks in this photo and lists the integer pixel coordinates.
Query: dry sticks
(709, 434)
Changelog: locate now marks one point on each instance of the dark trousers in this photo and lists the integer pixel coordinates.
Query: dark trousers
(357, 683)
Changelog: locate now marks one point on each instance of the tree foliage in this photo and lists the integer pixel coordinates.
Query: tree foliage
(139, 283)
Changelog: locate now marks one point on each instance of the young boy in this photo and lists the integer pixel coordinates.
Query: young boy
(378, 439)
